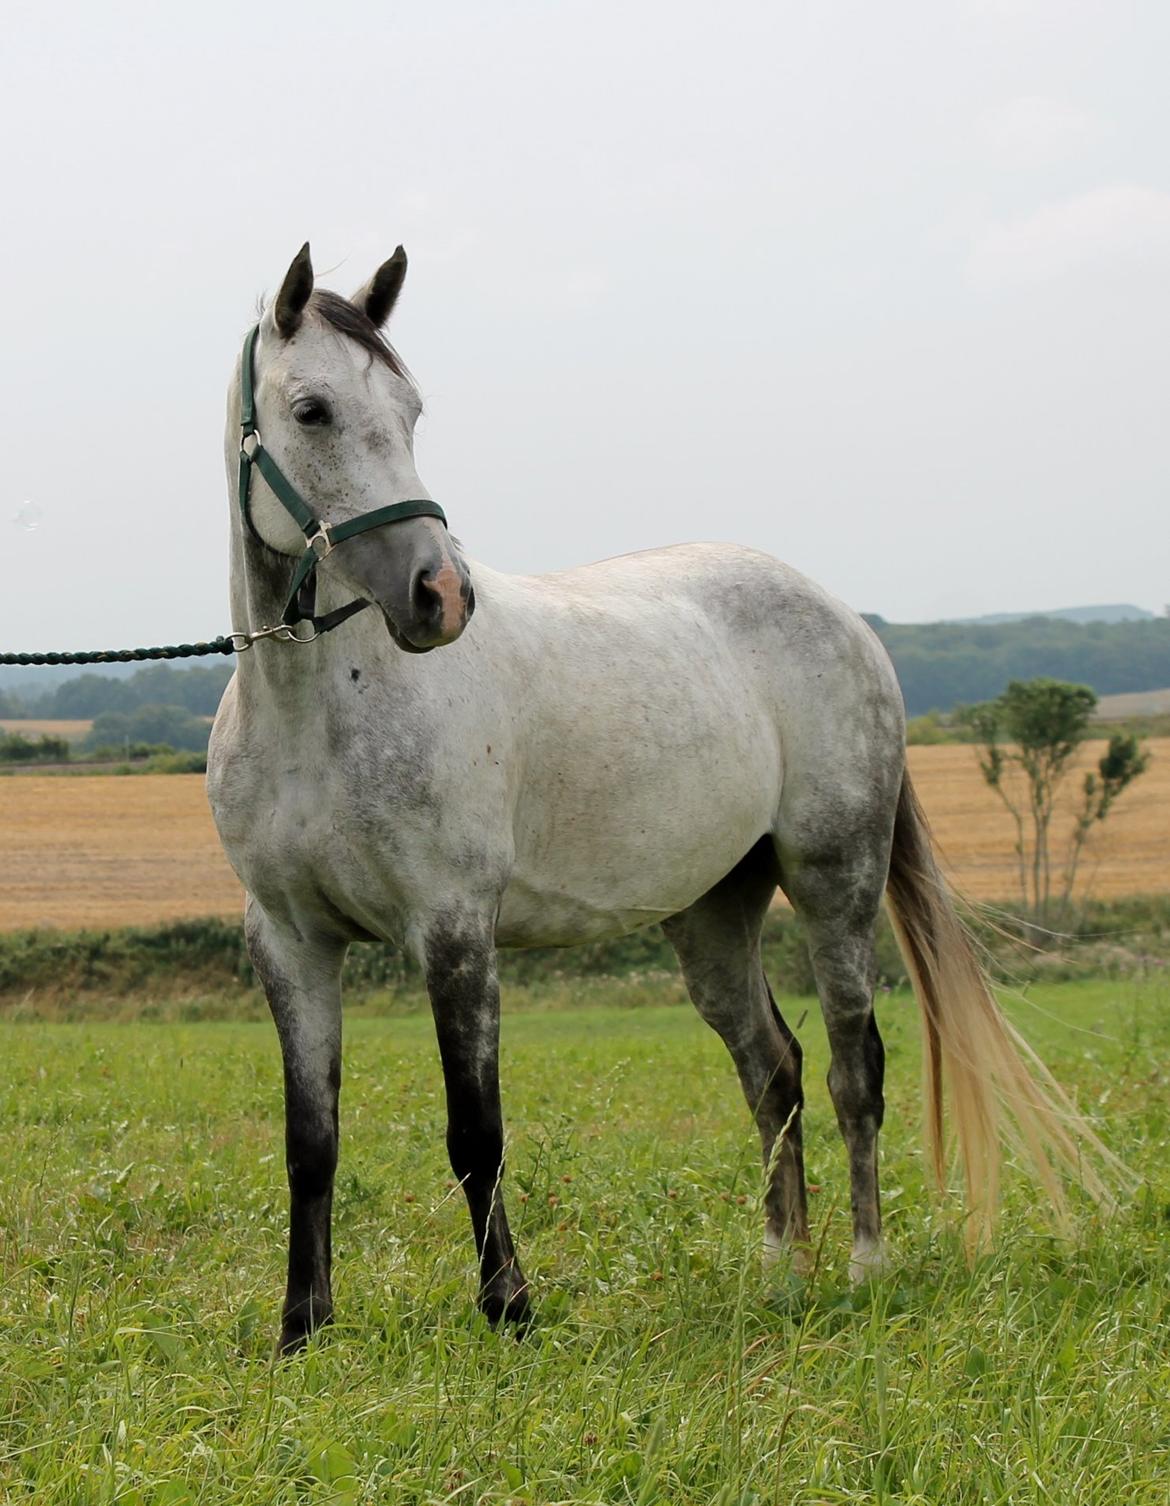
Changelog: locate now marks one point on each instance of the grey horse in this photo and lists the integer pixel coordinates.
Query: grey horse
(663, 737)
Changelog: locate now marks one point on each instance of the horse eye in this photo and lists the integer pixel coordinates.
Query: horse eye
(310, 411)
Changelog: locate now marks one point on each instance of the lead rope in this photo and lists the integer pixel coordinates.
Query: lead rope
(232, 643)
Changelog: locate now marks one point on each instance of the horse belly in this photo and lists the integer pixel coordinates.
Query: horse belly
(633, 840)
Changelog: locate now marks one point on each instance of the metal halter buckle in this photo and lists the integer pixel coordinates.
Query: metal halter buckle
(281, 633)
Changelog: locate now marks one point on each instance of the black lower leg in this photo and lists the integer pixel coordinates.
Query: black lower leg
(717, 942)
(855, 1083)
(302, 983)
(464, 991)
(311, 1139)
(780, 1113)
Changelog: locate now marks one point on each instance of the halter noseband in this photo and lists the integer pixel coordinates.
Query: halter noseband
(321, 539)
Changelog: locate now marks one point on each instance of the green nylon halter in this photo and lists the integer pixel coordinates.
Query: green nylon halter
(321, 540)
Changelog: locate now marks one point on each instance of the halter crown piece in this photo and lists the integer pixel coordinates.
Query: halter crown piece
(300, 605)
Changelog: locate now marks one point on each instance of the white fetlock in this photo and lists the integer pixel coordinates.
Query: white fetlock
(870, 1261)
(777, 1248)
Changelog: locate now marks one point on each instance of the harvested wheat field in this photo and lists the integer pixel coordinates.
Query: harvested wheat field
(34, 728)
(104, 850)
(109, 850)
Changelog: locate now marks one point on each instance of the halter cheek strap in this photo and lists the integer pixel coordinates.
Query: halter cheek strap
(321, 540)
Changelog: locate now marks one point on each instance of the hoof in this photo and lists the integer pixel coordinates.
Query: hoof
(504, 1299)
(869, 1262)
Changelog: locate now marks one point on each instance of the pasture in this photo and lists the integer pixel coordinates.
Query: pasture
(142, 1210)
(106, 851)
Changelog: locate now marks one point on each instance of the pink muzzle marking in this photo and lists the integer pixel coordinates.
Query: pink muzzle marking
(447, 585)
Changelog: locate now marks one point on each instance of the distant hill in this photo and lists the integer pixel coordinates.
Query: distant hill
(945, 664)
(1123, 612)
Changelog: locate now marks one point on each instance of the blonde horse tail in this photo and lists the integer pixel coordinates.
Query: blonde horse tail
(998, 1088)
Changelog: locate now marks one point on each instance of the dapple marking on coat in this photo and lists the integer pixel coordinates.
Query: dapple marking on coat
(666, 736)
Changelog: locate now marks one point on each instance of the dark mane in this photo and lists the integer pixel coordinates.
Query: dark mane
(347, 319)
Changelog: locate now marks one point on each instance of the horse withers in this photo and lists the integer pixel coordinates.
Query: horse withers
(663, 737)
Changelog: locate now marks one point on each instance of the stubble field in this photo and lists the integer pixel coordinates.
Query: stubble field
(49, 728)
(104, 850)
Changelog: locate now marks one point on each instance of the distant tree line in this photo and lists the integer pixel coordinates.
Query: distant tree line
(195, 689)
(152, 726)
(159, 707)
(942, 664)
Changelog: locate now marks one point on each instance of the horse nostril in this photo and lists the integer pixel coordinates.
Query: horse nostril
(424, 597)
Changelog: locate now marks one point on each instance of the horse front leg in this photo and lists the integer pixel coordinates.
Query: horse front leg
(460, 961)
(302, 982)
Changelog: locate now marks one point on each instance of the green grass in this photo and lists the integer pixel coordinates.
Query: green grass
(142, 1218)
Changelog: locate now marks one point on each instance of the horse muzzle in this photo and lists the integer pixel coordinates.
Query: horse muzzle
(413, 572)
(439, 604)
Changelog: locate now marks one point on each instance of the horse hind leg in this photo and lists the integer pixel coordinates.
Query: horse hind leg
(717, 941)
(835, 886)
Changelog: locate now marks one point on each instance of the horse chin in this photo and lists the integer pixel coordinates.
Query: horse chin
(400, 639)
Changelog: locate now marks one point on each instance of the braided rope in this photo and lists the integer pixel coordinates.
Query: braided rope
(129, 655)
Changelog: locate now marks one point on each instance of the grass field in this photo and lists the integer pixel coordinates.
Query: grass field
(106, 851)
(142, 1210)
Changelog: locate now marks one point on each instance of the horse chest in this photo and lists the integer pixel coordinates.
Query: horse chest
(311, 835)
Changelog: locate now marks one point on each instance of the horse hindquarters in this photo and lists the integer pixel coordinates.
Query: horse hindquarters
(717, 941)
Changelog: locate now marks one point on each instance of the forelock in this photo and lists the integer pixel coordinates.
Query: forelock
(352, 322)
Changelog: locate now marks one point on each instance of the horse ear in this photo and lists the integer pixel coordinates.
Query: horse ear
(294, 293)
(380, 294)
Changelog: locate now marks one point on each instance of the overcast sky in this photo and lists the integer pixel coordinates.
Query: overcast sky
(884, 289)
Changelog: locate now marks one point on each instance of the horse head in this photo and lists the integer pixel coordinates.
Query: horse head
(337, 410)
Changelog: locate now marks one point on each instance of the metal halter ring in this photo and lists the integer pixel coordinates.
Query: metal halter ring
(321, 537)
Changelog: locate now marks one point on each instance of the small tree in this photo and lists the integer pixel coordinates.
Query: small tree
(1123, 761)
(1044, 722)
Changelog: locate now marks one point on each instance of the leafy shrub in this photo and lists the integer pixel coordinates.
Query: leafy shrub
(119, 752)
(16, 748)
(174, 763)
(928, 729)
